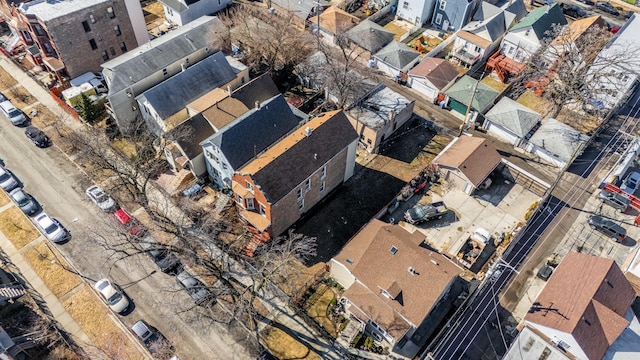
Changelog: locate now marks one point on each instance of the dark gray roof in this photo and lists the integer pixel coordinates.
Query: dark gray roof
(300, 8)
(397, 55)
(190, 133)
(173, 94)
(370, 36)
(141, 62)
(256, 130)
(542, 19)
(259, 89)
(305, 157)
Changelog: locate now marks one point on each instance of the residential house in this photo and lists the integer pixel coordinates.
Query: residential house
(511, 121)
(417, 12)
(370, 36)
(395, 59)
(584, 307)
(236, 143)
(133, 73)
(452, 15)
(524, 39)
(165, 105)
(477, 40)
(614, 73)
(462, 97)
(302, 10)
(281, 183)
(556, 143)
(572, 40)
(466, 162)
(182, 12)
(69, 38)
(399, 290)
(335, 22)
(432, 76)
(209, 114)
(378, 114)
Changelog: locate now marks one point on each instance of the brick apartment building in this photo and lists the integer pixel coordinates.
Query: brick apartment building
(70, 37)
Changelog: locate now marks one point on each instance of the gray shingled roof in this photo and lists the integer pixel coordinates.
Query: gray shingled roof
(256, 130)
(296, 164)
(397, 55)
(370, 36)
(190, 133)
(141, 62)
(300, 8)
(558, 139)
(173, 94)
(513, 116)
(259, 89)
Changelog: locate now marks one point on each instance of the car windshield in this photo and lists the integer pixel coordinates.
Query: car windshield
(22, 200)
(14, 113)
(421, 211)
(103, 285)
(101, 197)
(4, 176)
(51, 228)
(114, 299)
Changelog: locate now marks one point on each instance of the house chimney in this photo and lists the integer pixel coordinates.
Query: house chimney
(257, 103)
(392, 115)
(229, 90)
(307, 131)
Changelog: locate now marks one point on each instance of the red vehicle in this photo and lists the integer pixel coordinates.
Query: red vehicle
(129, 223)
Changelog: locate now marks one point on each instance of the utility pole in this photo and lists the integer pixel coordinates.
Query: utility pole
(466, 114)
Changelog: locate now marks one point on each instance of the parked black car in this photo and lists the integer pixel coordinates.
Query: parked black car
(37, 136)
(167, 261)
(587, 2)
(608, 227)
(574, 11)
(195, 288)
(608, 8)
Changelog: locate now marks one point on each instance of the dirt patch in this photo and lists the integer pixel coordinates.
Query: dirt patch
(494, 84)
(51, 268)
(16, 227)
(20, 97)
(298, 278)
(535, 103)
(283, 346)
(96, 323)
(44, 116)
(318, 311)
(582, 122)
(4, 199)
(6, 80)
(125, 147)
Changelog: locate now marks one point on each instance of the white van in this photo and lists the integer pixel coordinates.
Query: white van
(16, 116)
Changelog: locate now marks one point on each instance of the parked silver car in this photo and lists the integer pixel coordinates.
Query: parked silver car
(24, 201)
(100, 198)
(51, 228)
(8, 182)
(112, 296)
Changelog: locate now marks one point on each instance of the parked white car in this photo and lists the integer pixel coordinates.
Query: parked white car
(51, 228)
(112, 296)
(100, 198)
(8, 182)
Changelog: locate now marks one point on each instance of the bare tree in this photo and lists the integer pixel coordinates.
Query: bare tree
(271, 42)
(565, 66)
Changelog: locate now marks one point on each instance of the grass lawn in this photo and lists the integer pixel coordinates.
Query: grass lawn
(582, 122)
(6, 80)
(16, 227)
(126, 147)
(284, 346)
(47, 266)
(494, 84)
(318, 312)
(4, 199)
(96, 323)
(534, 102)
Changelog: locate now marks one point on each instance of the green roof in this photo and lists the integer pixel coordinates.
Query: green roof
(462, 89)
(542, 19)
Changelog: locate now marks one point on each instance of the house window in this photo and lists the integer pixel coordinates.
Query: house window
(85, 25)
(105, 56)
(443, 5)
(349, 261)
(324, 172)
(38, 29)
(300, 203)
(300, 193)
(110, 12)
(250, 204)
(249, 186)
(263, 210)
(239, 199)
(369, 141)
(123, 47)
(405, 5)
(477, 49)
(510, 50)
(438, 19)
(113, 51)
(165, 72)
(322, 186)
(393, 250)
(48, 49)
(93, 44)
(224, 166)
(526, 33)
(117, 30)
(308, 186)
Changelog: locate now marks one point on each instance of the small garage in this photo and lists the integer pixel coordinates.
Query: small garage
(511, 121)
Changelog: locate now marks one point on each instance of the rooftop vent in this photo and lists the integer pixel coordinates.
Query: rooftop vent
(393, 250)
(307, 131)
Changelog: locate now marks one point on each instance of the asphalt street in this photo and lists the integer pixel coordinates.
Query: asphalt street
(466, 336)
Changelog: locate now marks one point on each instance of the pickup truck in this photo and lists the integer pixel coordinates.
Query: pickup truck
(425, 212)
(474, 248)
